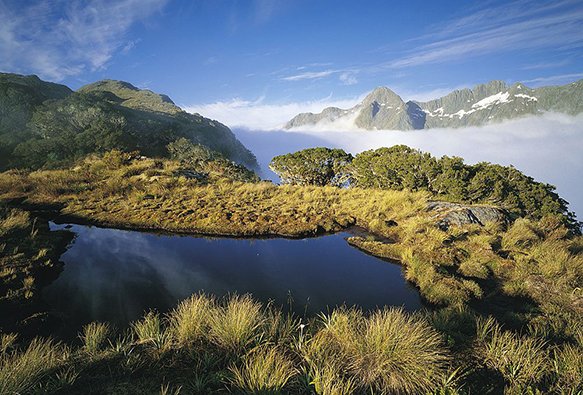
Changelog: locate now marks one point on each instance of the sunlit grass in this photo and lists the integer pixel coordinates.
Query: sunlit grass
(389, 351)
(22, 373)
(567, 366)
(264, 371)
(189, 322)
(234, 325)
(94, 336)
(150, 331)
(7, 342)
(522, 361)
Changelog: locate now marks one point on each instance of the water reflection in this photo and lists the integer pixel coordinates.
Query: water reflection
(114, 275)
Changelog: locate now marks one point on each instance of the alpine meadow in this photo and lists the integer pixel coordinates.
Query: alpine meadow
(330, 198)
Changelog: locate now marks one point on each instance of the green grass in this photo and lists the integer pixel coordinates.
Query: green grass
(522, 361)
(95, 336)
(390, 351)
(150, 331)
(27, 371)
(263, 371)
(242, 346)
(529, 275)
(7, 342)
(189, 322)
(235, 324)
(567, 368)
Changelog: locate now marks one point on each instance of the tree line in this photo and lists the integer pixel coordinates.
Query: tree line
(449, 178)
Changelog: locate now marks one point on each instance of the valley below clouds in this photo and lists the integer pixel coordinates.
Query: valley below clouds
(547, 148)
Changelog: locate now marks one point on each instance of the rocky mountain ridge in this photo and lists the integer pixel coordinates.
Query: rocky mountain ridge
(487, 103)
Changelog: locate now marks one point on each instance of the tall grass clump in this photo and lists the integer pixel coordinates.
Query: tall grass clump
(23, 373)
(7, 342)
(264, 371)
(234, 324)
(189, 320)
(94, 336)
(522, 361)
(398, 352)
(328, 380)
(14, 219)
(567, 369)
(149, 330)
(388, 352)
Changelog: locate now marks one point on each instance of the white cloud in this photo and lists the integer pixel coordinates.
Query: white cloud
(266, 116)
(547, 148)
(510, 26)
(555, 79)
(129, 46)
(57, 39)
(348, 78)
(258, 114)
(546, 65)
(310, 75)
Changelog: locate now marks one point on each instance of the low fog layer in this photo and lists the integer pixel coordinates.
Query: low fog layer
(549, 148)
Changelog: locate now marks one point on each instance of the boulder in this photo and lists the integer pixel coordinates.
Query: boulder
(455, 214)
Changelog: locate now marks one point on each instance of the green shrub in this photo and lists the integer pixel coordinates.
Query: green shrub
(313, 166)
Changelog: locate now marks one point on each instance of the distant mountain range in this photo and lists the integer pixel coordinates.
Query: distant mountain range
(488, 103)
(43, 123)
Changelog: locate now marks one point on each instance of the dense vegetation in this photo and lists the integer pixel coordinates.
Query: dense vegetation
(401, 167)
(313, 166)
(237, 345)
(505, 299)
(198, 162)
(48, 125)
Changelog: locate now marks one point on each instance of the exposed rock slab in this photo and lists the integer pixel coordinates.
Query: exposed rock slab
(455, 214)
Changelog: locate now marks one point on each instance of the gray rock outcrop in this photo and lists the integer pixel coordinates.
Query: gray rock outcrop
(455, 214)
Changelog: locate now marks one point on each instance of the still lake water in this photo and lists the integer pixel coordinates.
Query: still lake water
(116, 275)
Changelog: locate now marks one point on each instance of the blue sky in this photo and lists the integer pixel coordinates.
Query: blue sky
(276, 53)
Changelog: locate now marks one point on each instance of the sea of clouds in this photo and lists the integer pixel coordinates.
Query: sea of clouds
(548, 148)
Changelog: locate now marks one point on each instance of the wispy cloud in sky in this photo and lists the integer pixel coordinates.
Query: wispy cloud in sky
(546, 65)
(57, 39)
(555, 79)
(346, 77)
(510, 26)
(310, 75)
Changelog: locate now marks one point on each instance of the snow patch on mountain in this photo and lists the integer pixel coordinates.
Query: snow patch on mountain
(498, 98)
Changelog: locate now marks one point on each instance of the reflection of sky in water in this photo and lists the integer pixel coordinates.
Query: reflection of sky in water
(115, 275)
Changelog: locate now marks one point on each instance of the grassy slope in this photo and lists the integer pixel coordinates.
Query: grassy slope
(464, 271)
